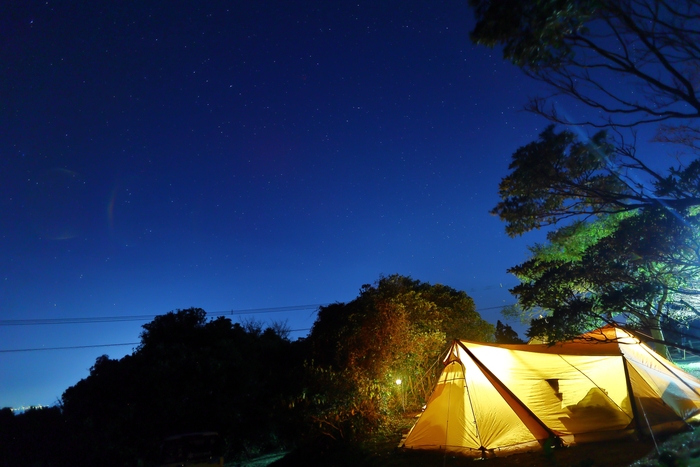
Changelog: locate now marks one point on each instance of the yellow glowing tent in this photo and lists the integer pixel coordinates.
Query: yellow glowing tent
(495, 399)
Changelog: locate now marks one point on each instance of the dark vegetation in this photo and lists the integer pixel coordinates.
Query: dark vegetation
(188, 375)
(259, 390)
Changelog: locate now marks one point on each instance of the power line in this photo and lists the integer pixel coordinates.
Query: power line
(72, 347)
(116, 319)
(494, 307)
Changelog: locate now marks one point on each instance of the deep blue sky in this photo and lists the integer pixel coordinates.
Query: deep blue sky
(157, 155)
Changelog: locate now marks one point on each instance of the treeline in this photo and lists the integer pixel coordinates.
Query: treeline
(258, 389)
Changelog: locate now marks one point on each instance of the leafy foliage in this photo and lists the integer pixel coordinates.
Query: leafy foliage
(631, 252)
(506, 335)
(188, 375)
(534, 34)
(558, 178)
(394, 330)
(636, 268)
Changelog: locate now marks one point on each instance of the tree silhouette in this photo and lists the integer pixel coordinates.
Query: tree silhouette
(506, 334)
(187, 375)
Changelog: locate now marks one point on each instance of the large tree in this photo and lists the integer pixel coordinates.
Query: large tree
(630, 253)
(395, 330)
(630, 249)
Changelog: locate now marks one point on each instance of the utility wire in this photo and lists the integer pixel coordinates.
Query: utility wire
(72, 347)
(66, 348)
(117, 319)
(114, 319)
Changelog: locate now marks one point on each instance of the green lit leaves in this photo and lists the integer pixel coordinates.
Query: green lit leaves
(632, 265)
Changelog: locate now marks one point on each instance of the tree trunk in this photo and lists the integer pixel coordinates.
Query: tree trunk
(658, 335)
(655, 324)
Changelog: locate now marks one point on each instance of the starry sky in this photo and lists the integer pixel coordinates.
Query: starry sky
(235, 156)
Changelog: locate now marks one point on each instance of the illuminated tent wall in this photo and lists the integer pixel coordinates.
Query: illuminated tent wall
(495, 400)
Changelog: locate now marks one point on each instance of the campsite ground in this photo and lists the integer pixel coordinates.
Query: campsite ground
(679, 450)
(606, 454)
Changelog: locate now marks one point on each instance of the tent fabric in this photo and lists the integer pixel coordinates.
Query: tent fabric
(493, 400)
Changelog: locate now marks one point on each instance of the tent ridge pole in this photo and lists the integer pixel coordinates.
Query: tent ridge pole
(632, 396)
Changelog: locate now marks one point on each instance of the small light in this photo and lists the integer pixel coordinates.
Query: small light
(398, 381)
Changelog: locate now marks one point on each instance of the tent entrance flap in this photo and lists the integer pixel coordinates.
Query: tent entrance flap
(538, 429)
(467, 414)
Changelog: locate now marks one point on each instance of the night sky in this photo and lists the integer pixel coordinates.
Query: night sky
(248, 155)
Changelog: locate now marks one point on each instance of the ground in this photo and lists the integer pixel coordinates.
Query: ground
(262, 461)
(679, 450)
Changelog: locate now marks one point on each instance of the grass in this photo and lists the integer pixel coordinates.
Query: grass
(679, 450)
